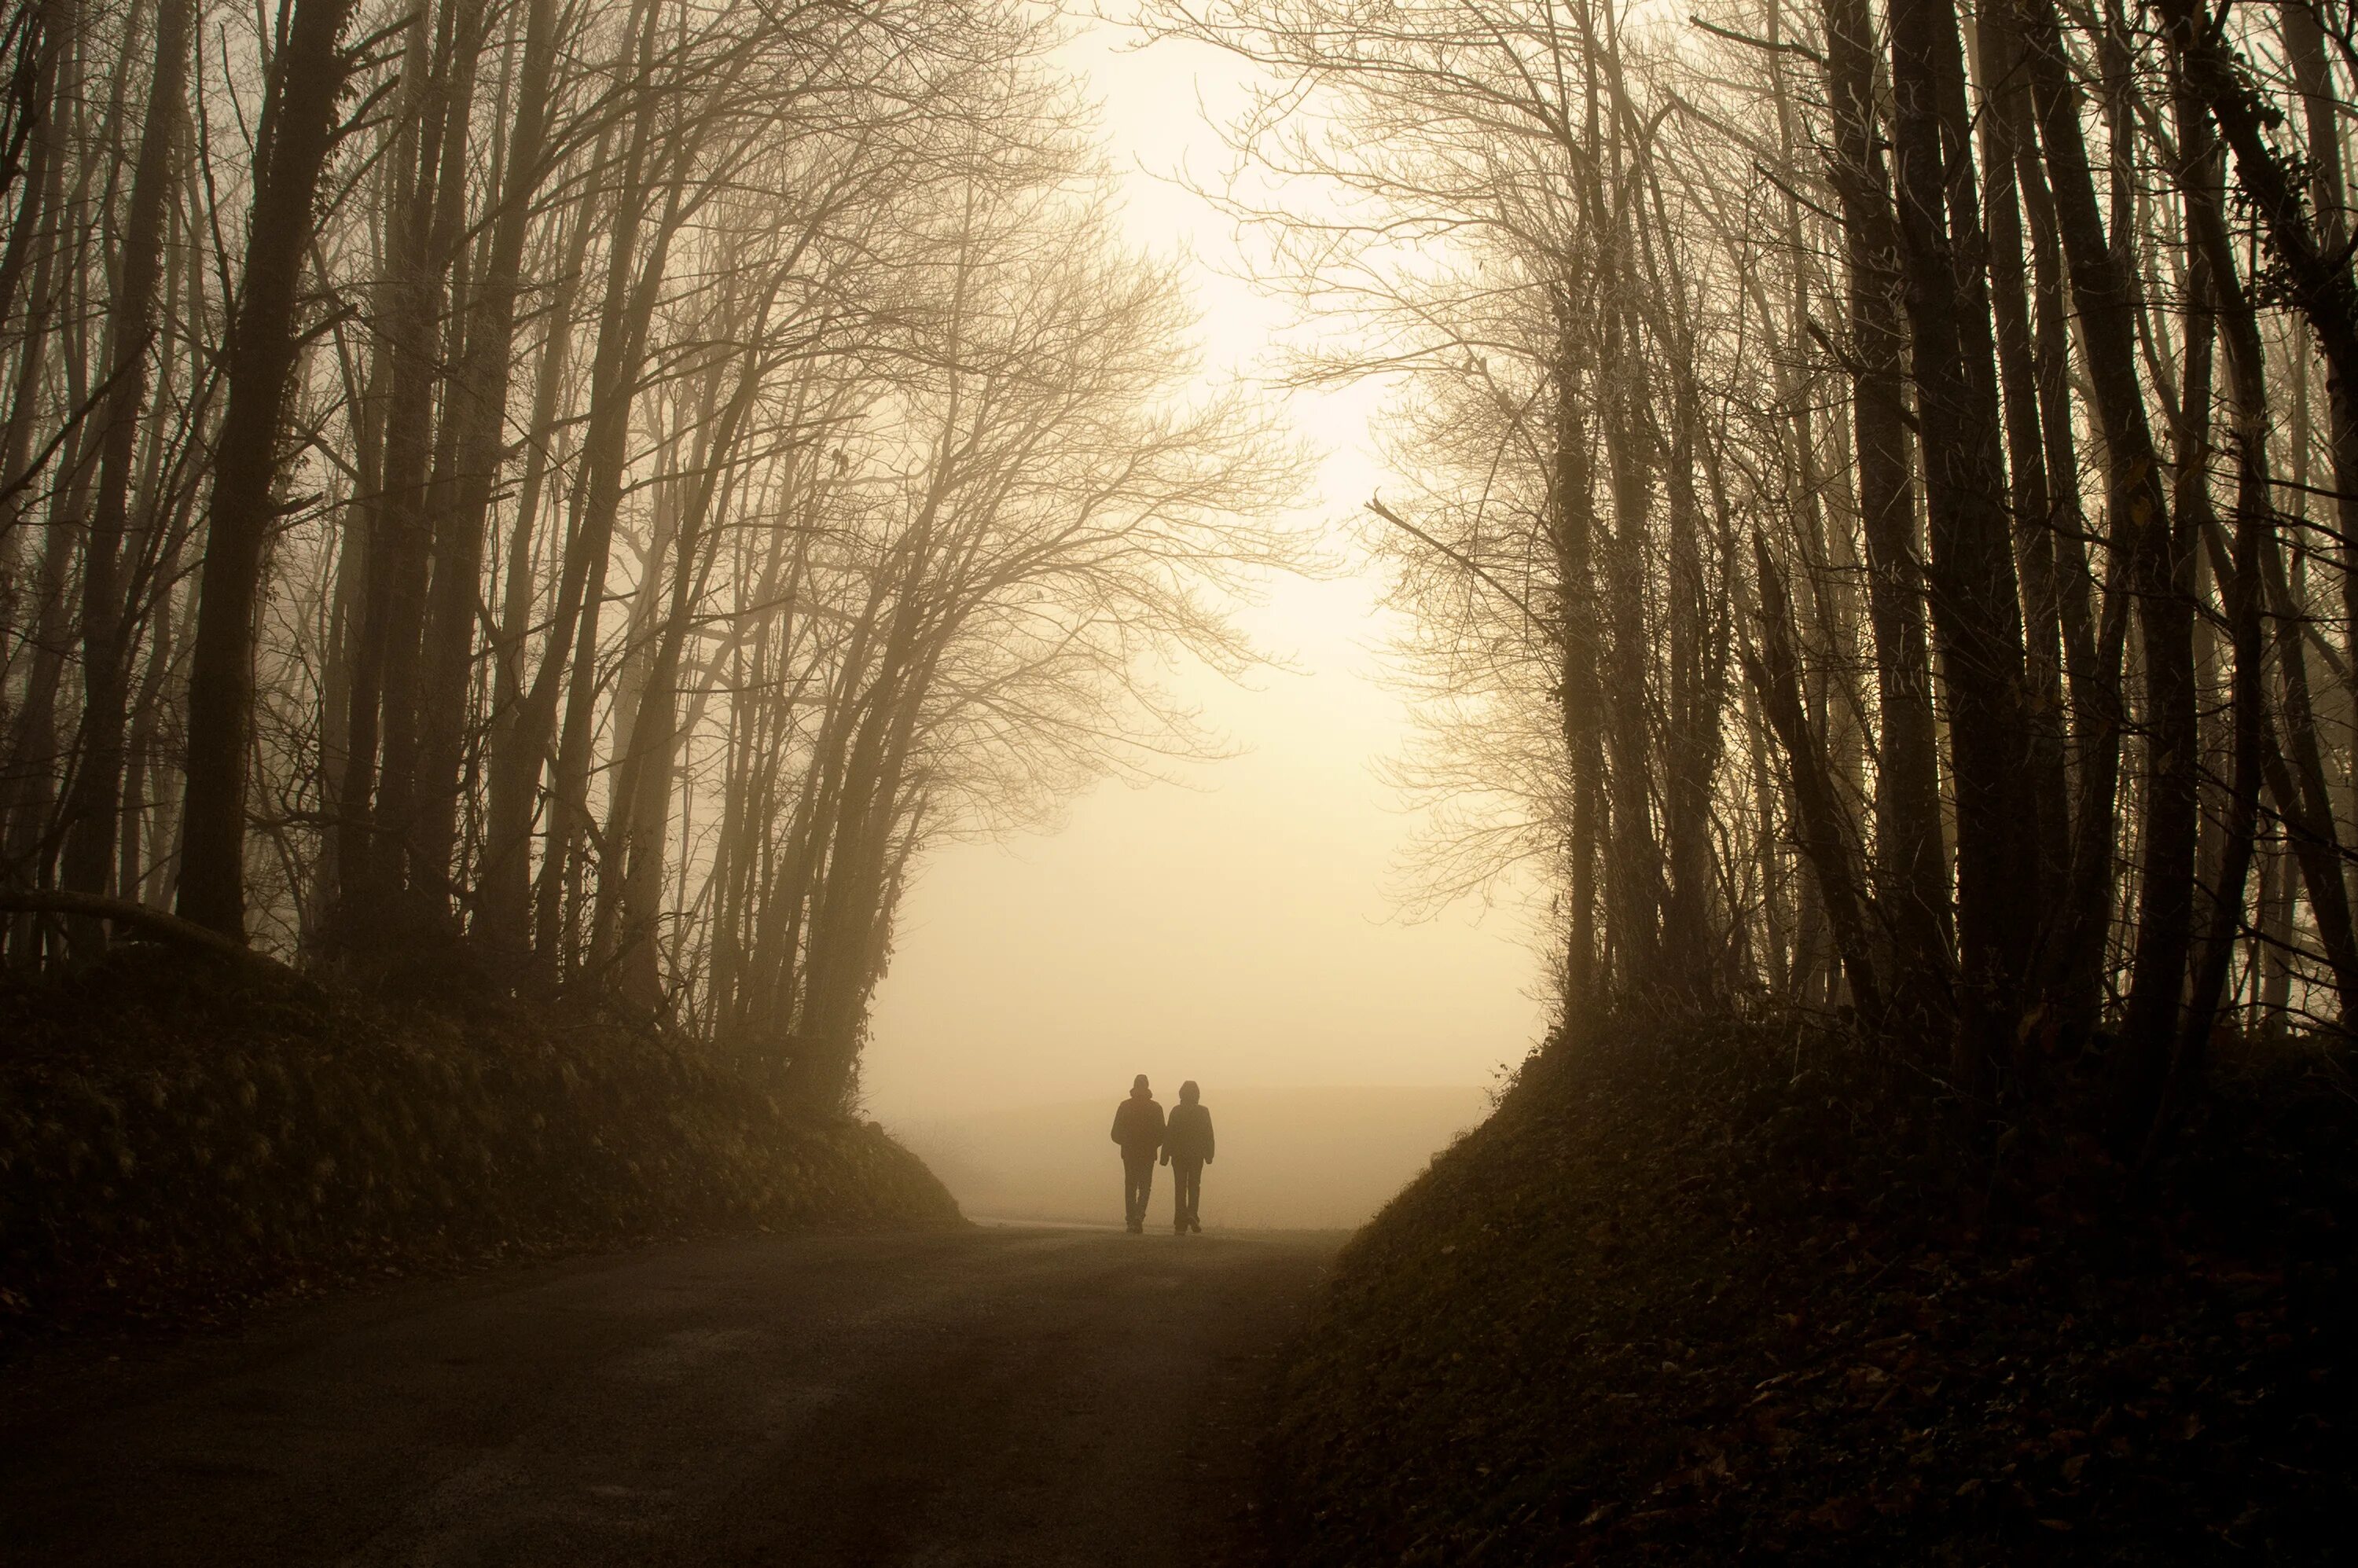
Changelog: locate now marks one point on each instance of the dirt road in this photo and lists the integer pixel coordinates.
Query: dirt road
(995, 1396)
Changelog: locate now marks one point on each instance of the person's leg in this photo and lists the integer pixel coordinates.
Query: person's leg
(1194, 1182)
(1139, 1188)
(1179, 1197)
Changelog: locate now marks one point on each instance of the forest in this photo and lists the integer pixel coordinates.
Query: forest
(526, 525)
(586, 492)
(1875, 489)
(603, 486)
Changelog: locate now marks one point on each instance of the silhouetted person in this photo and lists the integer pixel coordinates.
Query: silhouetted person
(1187, 1149)
(1137, 1127)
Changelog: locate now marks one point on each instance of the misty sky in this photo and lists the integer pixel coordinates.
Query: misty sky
(1240, 929)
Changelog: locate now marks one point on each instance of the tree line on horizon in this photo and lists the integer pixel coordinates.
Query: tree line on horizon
(1874, 490)
(585, 489)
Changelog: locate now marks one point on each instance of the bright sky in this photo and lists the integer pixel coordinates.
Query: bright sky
(1241, 929)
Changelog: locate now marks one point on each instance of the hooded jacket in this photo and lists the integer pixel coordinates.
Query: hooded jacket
(1189, 1135)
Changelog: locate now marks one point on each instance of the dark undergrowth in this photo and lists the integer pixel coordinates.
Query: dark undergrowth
(1719, 1293)
(179, 1143)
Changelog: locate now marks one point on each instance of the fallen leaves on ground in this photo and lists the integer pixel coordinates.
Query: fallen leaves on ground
(1702, 1306)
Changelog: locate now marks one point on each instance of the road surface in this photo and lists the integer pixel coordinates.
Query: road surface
(1023, 1397)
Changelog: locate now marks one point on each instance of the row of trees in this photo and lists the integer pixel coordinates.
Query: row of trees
(590, 488)
(1876, 489)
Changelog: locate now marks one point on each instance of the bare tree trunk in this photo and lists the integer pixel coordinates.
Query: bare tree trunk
(1572, 513)
(1635, 864)
(2092, 642)
(643, 783)
(94, 810)
(32, 745)
(2004, 121)
(845, 957)
(423, 254)
(1976, 615)
(297, 126)
(516, 765)
(1911, 855)
(478, 407)
(1696, 721)
(599, 492)
(503, 877)
(384, 421)
(2158, 1095)
(54, 23)
(33, 751)
(1825, 840)
(2156, 557)
(2304, 43)
(2299, 784)
(2273, 940)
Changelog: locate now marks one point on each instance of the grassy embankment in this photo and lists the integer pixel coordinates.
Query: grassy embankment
(1715, 1293)
(177, 1142)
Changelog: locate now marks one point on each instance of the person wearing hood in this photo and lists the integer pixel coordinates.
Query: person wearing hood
(1137, 1127)
(1187, 1149)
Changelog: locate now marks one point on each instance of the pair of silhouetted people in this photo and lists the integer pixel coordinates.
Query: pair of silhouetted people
(1185, 1143)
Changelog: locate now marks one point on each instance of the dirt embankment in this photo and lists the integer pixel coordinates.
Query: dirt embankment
(177, 1142)
(1718, 1293)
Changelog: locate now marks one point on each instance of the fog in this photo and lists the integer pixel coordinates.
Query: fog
(1244, 924)
(1239, 932)
(1289, 1159)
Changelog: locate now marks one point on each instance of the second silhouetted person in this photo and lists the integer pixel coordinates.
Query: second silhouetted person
(1187, 1149)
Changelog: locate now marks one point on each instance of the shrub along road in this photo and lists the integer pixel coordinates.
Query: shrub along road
(1020, 1397)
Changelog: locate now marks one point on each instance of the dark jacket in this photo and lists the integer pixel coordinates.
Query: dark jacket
(1189, 1136)
(1137, 1127)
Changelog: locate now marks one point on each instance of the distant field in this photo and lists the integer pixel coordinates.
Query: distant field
(1313, 1158)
